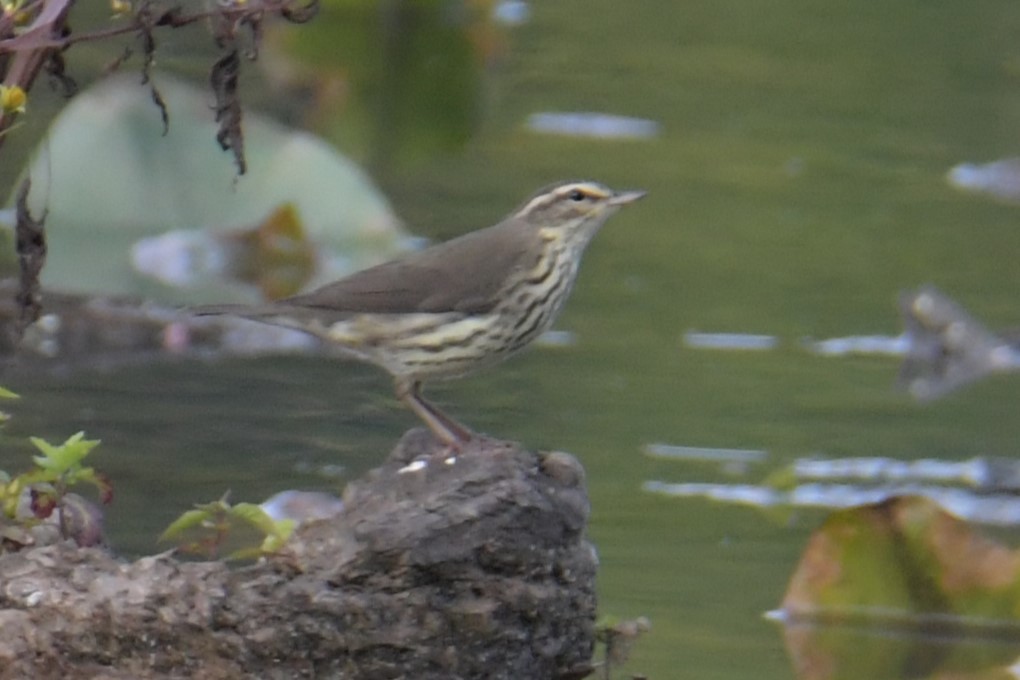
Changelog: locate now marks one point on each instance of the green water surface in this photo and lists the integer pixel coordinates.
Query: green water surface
(797, 184)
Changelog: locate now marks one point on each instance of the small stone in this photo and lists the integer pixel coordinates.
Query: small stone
(563, 468)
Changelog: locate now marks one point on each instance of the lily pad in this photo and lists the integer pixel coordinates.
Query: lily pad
(906, 560)
(108, 176)
(922, 585)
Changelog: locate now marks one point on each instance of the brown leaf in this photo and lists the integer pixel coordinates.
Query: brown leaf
(224, 79)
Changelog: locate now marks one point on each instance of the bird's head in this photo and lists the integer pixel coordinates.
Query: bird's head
(573, 211)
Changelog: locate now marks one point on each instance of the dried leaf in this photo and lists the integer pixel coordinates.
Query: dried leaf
(224, 78)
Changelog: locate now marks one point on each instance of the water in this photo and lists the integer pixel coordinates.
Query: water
(796, 184)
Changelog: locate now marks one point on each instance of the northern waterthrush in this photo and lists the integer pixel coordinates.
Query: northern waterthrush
(459, 305)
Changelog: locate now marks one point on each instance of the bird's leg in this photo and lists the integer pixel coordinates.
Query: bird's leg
(446, 429)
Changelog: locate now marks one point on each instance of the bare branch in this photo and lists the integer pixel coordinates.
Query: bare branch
(31, 249)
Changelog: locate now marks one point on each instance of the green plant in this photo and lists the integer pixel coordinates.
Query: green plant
(43, 492)
(208, 528)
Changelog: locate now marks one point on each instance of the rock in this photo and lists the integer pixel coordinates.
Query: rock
(471, 565)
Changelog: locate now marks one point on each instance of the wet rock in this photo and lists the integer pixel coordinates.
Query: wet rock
(77, 518)
(442, 565)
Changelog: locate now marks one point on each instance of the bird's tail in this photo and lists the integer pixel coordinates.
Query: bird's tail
(254, 312)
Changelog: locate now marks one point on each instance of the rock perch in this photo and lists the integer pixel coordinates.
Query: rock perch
(469, 567)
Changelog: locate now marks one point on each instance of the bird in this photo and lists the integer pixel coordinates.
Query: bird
(456, 306)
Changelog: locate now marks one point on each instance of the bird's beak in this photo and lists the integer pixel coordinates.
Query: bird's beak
(625, 197)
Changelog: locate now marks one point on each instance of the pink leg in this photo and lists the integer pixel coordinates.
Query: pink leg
(445, 428)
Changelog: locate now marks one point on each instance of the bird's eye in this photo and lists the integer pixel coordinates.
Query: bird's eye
(577, 195)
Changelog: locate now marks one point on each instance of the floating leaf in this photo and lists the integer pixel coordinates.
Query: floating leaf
(911, 577)
(907, 556)
(151, 184)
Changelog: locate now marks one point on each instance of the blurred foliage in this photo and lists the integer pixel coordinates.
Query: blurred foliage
(43, 492)
(152, 184)
(211, 527)
(391, 82)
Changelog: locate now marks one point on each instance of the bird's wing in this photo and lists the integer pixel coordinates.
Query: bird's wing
(461, 275)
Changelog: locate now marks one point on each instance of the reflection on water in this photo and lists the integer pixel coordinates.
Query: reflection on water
(302, 505)
(597, 125)
(745, 341)
(942, 346)
(998, 509)
(982, 490)
(702, 453)
(999, 179)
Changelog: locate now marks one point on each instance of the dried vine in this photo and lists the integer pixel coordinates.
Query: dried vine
(35, 35)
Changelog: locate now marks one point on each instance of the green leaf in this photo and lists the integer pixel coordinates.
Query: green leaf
(276, 532)
(275, 541)
(65, 457)
(50, 453)
(10, 496)
(217, 522)
(189, 520)
(249, 553)
(254, 515)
